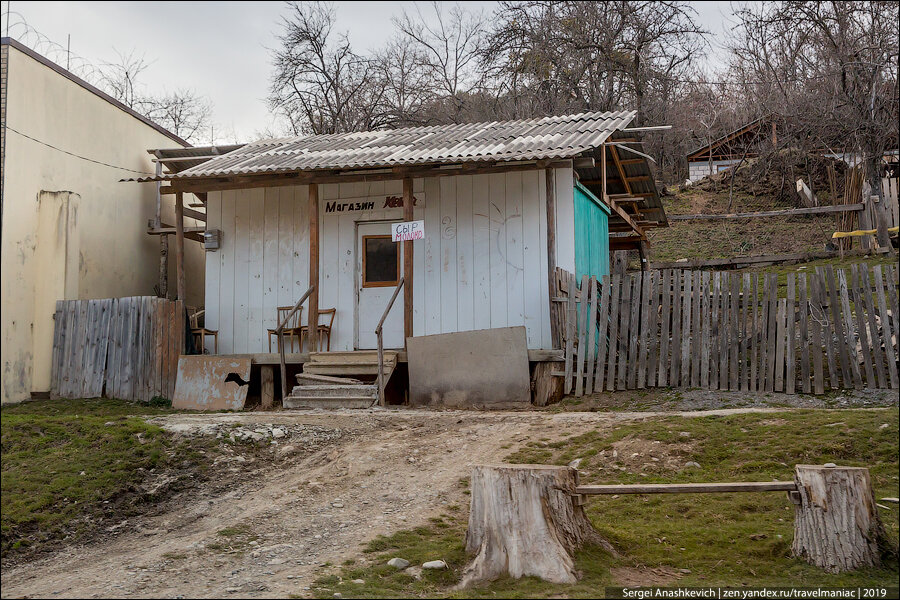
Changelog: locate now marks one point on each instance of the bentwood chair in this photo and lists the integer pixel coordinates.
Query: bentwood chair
(292, 328)
(199, 332)
(324, 329)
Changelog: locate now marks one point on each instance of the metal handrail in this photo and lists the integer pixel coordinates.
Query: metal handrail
(279, 331)
(381, 344)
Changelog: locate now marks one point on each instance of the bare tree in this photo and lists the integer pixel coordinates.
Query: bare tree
(447, 45)
(182, 112)
(830, 68)
(120, 78)
(320, 85)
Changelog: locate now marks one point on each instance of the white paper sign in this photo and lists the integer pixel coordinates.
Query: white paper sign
(410, 230)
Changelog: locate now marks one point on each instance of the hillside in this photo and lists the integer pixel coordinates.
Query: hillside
(740, 237)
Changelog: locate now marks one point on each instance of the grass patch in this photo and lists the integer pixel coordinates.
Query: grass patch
(729, 540)
(70, 464)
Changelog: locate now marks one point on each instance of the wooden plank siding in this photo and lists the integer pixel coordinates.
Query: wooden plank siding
(483, 262)
(735, 332)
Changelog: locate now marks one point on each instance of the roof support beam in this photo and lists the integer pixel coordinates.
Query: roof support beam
(307, 178)
(626, 217)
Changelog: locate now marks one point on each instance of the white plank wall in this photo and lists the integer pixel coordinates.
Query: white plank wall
(482, 264)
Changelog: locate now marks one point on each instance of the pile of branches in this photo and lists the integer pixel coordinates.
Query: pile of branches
(775, 175)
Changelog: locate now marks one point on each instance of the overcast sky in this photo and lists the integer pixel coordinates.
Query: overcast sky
(218, 49)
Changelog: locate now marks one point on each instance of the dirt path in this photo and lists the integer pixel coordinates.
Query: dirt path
(393, 470)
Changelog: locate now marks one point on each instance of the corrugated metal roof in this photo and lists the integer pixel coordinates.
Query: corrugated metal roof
(532, 139)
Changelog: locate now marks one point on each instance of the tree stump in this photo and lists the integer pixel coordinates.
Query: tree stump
(525, 520)
(546, 389)
(836, 525)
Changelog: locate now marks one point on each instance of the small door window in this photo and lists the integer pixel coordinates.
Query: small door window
(381, 261)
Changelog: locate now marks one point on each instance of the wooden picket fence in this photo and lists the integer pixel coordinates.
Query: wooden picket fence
(124, 348)
(731, 331)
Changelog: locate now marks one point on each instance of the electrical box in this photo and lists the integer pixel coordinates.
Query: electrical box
(212, 239)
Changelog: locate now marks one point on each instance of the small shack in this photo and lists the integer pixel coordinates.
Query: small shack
(501, 206)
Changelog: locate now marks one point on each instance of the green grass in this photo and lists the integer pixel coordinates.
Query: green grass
(722, 539)
(69, 464)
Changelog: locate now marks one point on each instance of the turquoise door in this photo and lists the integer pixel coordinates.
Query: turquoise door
(591, 235)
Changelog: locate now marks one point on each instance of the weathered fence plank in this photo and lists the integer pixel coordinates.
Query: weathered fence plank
(109, 347)
(582, 336)
(614, 305)
(885, 327)
(602, 333)
(591, 341)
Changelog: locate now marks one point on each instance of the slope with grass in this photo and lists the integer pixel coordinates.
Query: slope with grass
(730, 238)
(731, 540)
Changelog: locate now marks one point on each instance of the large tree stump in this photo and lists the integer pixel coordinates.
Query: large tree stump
(836, 525)
(525, 520)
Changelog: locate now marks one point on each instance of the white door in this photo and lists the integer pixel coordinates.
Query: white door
(378, 271)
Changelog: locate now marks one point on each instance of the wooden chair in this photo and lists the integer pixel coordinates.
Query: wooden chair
(199, 333)
(323, 329)
(292, 328)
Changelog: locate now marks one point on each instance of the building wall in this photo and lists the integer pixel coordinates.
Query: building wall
(700, 169)
(482, 264)
(70, 229)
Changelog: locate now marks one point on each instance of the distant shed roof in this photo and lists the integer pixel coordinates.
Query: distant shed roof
(532, 139)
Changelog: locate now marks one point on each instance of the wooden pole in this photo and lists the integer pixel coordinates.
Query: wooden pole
(408, 201)
(179, 244)
(313, 315)
(551, 257)
(163, 240)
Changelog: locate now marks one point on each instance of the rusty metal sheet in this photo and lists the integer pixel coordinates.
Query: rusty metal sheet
(212, 382)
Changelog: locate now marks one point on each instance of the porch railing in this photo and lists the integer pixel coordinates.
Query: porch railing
(381, 342)
(279, 333)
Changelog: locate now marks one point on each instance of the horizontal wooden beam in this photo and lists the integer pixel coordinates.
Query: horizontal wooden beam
(186, 158)
(746, 261)
(815, 210)
(195, 214)
(638, 178)
(632, 161)
(625, 217)
(334, 176)
(688, 488)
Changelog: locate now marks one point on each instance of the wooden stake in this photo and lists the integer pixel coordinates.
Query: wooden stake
(407, 262)
(179, 244)
(313, 315)
(555, 334)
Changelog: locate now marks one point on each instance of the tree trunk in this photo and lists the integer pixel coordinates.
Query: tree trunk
(836, 524)
(525, 520)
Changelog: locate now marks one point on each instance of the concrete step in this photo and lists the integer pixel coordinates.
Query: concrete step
(328, 403)
(335, 391)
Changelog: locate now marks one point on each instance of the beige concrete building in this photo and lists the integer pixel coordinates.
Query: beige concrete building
(70, 228)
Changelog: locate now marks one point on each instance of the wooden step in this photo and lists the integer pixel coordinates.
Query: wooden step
(339, 369)
(313, 379)
(352, 357)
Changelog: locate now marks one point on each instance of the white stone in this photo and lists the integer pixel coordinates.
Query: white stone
(278, 433)
(434, 564)
(691, 465)
(398, 563)
(575, 463)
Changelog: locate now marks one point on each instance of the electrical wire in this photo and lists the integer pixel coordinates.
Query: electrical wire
(99, 162)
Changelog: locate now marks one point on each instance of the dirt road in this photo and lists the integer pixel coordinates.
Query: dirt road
(391, 470)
